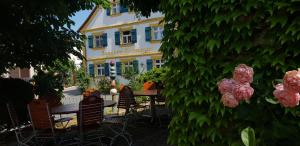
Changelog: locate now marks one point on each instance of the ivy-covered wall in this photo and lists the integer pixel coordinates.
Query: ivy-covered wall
(203, 41)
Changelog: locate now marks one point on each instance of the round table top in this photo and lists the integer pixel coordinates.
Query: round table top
(145, 93)
(74, 108)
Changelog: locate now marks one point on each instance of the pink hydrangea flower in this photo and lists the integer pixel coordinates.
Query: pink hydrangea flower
(279, 87)
(226, 85)
(243, 73)
(243, 91)
(291, 80)
(229, 100)
(287, 98)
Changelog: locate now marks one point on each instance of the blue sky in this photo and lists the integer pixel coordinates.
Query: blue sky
(79, 18)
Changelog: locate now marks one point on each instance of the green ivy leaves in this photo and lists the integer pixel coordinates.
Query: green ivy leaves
(210, 38)
(248, 137)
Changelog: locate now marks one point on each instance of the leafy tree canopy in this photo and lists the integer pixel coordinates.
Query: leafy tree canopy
(38, 32)
(143, 7)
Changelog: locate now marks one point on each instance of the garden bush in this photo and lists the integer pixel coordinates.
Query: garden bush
(203, 41)
(83, 80)
(17, 92)
(156, 75)
(104, 85)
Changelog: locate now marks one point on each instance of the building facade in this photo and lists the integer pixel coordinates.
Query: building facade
(24, 73)
(120, 36)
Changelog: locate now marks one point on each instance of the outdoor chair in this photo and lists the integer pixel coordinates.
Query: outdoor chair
(23, 137)
(42, 121)
(118, 125)
(91, 110)
(127, 101)
(54, 101)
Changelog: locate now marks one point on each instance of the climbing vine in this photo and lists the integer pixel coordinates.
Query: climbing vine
(203, 41)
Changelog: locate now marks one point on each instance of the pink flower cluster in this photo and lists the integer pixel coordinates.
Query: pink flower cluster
(237, 89)
(288, 92)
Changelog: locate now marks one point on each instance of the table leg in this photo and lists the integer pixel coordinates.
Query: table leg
(153, 110)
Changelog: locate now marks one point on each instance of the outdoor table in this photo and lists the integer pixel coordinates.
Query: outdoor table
(152, 94)
(74, 108)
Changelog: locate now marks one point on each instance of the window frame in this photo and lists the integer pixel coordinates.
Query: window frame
(101, 68)
(128, 37)
(115, 6)
(98, 37)
(158, 64)
(159, 30)
(128, 65)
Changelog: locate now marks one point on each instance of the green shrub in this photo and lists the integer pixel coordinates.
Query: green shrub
(156, 75)
(17, 92)
(203, 42)
(49, 83)
(135, 84)
(83, 80)
(104, 85)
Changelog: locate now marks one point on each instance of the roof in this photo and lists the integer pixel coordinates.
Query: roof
(88, 19)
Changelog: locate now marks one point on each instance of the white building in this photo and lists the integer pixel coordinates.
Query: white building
(120, 36)
(24, 73)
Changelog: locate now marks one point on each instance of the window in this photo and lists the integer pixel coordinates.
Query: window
(100, 70)
(98, 40)
(159, 63)
(128, 66)
(126, 37)
(115, 8)
(158, 32)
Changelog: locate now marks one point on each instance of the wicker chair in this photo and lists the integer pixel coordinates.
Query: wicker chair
(23, 137)
(91, 110)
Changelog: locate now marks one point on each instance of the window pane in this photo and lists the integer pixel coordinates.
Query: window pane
(157, 66)
(156, 36)
(125, 40)
(129, 39)
(157, 61)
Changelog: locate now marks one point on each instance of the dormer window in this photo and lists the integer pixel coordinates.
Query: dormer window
(115, 9)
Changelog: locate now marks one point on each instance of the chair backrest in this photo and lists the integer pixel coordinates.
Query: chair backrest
(40, 115)
(126, 98)
(91, 111)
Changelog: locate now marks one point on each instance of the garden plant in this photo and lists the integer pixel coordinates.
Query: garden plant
(204, 40)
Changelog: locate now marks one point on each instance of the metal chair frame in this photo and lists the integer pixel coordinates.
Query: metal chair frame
(18, 130)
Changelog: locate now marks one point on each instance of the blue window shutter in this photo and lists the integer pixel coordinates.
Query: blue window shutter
(107, 11)
(119, 68)
(91, 41)
(136, 66)
(123, 9)
(148, 33)
(117, 38)
(104, 39)
(106, 67)
(149, 64)
(91, 70)
(133, 36)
